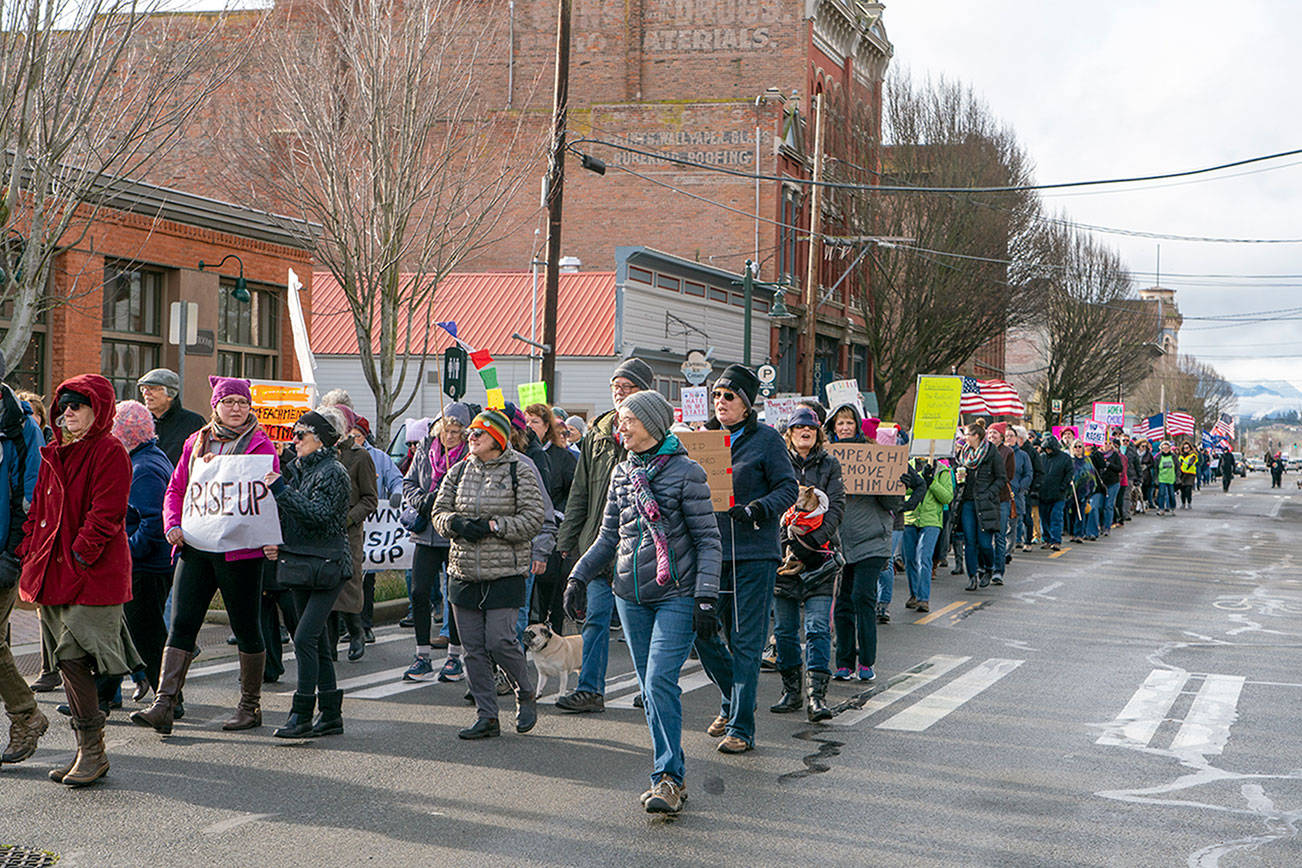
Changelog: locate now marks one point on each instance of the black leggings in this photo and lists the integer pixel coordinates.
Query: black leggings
(312, 648)
(426, 562)
(1186, 493)
(199, 575)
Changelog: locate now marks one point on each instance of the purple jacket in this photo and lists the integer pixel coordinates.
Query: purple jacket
(260, 444)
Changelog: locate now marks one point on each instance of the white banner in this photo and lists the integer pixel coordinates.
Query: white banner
(1095, 433)
(227, 506)
(843, 392)
(696, 404)
(385, 542)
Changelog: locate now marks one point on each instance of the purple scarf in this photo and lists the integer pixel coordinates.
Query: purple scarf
(440, 459)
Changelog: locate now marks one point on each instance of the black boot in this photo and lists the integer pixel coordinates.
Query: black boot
(790, 700)
(299, 722)
(330, 721)
(818, 709)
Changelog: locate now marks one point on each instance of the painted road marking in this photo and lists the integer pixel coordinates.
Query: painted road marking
(1147, 708)
(1206, 727)
(691, 678)
(936, 706)
(234, 665)
(913, 679)
(1060, 552)
(927, 619)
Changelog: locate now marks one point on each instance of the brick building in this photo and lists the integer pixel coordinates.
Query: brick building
(139, 254)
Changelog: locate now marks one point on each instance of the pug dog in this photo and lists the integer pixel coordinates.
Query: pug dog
(553, 655)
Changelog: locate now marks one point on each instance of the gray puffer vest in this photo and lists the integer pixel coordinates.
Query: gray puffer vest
(477, 489)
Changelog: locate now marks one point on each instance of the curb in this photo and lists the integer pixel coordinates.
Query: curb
(388, 612)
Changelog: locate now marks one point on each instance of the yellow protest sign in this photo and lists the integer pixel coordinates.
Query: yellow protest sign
(935, 408)
(532, 393)
(495, 400)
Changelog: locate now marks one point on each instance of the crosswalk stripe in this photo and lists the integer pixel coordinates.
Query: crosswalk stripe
(922, 674)
(927, 619)
(691, 678)
(1146, 710)
(1206, 727)
(234, 665)
(949, 697)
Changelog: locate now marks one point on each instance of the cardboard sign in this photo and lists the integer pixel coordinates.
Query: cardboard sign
(696, 404)
(385, 542)
(531, 393)
(778, 410)
(1095, 433)
(227, 507)
(871, 468)
(278, 404)
(713, 451)
(842, 392)
(1109, 413)
(935, 408)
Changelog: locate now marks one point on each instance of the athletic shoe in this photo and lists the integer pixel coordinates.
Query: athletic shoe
(996, 580)
(866, 674)
(842, 675)
(501, 682)
(883, 616)
(452, 670)
(666, 797)
(419, 670)
(769, 659)
(581, 702)
(912, 603)
(923, 606)
(407, 623)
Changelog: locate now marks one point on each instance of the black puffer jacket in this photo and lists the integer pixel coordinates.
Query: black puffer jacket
(1108, 464)
(822, 471)
(1055, 482)
(983, 485)
(313, 498)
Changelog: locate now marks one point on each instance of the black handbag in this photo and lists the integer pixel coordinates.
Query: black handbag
(311, 572)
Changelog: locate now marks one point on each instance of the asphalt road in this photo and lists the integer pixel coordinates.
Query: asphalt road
(1128, 702)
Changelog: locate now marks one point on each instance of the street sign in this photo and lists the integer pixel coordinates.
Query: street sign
(191, 323)
(696, 368)
(455, 363)
(767, 374)
(1057, 406)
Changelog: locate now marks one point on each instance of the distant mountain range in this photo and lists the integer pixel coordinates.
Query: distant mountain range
(1265, 398)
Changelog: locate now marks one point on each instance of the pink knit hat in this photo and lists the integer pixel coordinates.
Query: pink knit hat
(225, 387)
(133, 424)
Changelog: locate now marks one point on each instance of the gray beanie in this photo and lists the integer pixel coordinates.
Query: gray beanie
(458, 412)
(652, 410)
(577, 423)
(162, 377)
(636, 371)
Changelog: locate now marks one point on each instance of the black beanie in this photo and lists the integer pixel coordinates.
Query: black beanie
(319, 425)
(637, 372)
(740, 379)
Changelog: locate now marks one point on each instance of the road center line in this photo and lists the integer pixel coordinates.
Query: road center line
(927, 619)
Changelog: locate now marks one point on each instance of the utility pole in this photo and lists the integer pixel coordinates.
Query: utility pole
(815, 248)
(555, 196)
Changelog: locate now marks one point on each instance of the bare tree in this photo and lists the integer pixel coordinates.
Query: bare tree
(1195, 387)
(92, 92)
(1099, 337)
(931, 301)
(379, 129)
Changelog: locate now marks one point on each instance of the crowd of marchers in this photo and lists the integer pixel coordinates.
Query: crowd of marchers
(521, 518)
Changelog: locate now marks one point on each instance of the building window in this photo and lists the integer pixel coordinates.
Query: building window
(786, 362)
(248, 335)
(640, 274)
(859, 361)
(670, 388)
(29, 372)
(694, 289)
(788, 234)
(132, 341)
(664, 281)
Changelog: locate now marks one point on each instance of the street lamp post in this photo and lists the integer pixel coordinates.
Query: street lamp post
(777, 310)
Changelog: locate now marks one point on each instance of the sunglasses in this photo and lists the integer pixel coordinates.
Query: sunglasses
(724, 394)
(72, 405)
(476, 433)
(300, 433)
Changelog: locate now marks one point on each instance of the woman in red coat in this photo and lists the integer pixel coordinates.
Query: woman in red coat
(76, 561)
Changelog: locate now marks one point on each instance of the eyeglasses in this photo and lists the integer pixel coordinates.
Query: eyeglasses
(151, 390)
(623, 389)
(724, 394)
(233, 402)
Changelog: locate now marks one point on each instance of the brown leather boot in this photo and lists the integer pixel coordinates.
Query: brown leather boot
(159, 715)
(248, 714)
(91, 764)
(24, 731)
(57, 774)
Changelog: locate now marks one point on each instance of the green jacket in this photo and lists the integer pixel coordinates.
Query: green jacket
(1166, 467)
(599, 452)
(930, 513)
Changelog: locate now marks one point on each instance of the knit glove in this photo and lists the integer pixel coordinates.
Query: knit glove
(471, 529)
(929, 473)
(751, 513)
(575, 601)
(705, 619)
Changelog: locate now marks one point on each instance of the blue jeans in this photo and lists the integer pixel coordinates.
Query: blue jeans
(818, 632)
(1110, 505)
(1001, 536)
(1166, 495)
(978, 542)
(660, 637)
(1056, 509)
(522, 621)
(886, 578)
(1092, 520)
(919, 548)
(1021, 531)
(855, 615)
(596, 637)
(734, 665)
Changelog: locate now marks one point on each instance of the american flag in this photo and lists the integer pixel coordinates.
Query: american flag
(990, 397)
(1224, 426)
(1149, 429)
(1180, 423)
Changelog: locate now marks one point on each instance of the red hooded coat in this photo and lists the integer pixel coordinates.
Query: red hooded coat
(80, 509)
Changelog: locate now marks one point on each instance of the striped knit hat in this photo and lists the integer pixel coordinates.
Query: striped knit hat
(133, 424)
(496, 424)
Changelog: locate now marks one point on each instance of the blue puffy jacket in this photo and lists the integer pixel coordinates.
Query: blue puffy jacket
(150, 472)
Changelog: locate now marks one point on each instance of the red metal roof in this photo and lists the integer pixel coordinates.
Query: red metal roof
(487, 308)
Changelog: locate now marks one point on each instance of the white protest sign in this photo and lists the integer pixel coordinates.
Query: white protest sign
(778, 410)
(227, 506)
(1094, 433)
(696, 404)
(1110, 413)
(842, 392)
(385, 542)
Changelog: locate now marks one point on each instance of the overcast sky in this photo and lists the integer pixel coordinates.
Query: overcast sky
(1098, 90)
